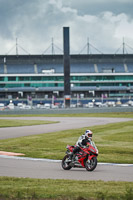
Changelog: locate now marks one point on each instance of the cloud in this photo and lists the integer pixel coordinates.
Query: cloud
(36, 22)
(101, 5)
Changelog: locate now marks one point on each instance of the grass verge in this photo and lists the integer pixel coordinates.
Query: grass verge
(17, 122)
(26, 188)
(114, 141)
(115, 114)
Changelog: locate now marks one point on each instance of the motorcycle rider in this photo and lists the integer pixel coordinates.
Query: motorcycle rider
(82, 142)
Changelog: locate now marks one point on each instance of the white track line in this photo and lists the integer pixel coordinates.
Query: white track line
(56, 161)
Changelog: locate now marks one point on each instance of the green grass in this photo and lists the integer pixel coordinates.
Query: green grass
(116, 114)
(114, 141)
(26, 188)
(17, 122)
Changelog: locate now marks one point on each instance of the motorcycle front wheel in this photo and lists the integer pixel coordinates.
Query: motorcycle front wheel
(66, 163)
(90, 165)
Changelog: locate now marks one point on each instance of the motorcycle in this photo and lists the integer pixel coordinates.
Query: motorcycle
(85, 158)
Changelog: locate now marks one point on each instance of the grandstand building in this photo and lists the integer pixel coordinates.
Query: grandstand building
(42, 76)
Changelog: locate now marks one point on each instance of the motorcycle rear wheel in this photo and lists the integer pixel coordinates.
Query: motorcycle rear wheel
(90, 165)
(65, 164)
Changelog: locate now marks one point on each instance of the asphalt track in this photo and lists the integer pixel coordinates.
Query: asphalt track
(42, 168)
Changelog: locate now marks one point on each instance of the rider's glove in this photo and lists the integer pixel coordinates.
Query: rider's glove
(80, 144)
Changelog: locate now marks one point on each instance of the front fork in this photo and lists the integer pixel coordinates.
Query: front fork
(88, 159)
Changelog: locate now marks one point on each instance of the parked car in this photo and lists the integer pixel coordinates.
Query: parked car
(2, 106)
(47, 105)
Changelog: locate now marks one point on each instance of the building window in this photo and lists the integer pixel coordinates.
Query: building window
(11, 78)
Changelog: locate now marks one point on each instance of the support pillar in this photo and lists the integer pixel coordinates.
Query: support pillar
(66, 60)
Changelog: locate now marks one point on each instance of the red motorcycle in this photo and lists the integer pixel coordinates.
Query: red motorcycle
(85, 158)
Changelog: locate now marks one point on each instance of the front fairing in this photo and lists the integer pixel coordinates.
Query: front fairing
(93, 144)
(91, 148)
(69, 148)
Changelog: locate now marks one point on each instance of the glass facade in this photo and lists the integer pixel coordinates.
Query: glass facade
(58, 81)
(43, 75)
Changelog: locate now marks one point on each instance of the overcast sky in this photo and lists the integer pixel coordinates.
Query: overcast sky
(101, 23)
